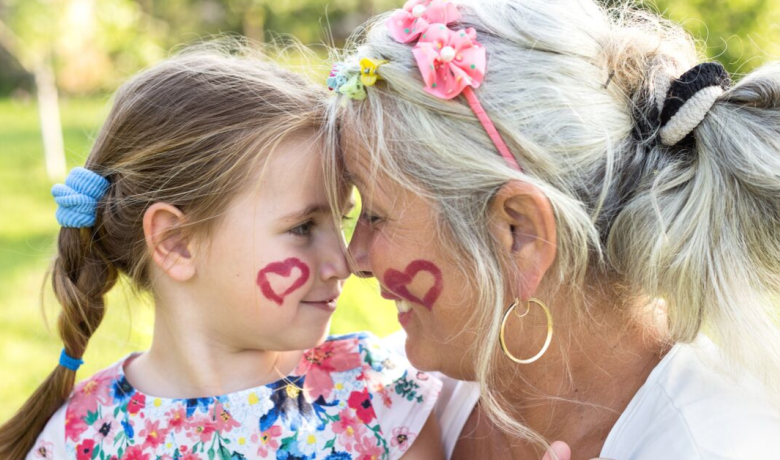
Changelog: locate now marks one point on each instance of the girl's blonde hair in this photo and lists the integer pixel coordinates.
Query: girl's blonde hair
(191, 132)
(571, 86)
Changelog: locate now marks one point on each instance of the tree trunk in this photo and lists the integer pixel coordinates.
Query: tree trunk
(49, 112)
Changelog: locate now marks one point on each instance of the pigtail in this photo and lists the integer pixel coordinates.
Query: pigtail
(81, 276)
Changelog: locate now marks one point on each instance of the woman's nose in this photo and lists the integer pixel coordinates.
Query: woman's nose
(358, 251)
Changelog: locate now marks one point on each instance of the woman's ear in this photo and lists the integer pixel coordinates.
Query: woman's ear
(523, 222)
(170, 251)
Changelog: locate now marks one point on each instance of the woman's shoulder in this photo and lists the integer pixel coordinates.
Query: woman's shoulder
(694, 405)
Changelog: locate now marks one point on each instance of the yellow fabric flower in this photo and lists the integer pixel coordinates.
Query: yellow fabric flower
(368, 68)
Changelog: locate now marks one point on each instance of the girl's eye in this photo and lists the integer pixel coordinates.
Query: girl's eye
(303, 229)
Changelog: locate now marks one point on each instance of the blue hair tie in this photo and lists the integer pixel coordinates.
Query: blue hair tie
(69, 362)
(78, 198)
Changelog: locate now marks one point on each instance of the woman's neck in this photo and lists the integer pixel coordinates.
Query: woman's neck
(577, 392)
(188, 359)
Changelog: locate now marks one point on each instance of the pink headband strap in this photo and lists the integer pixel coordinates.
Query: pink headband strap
(451, 62)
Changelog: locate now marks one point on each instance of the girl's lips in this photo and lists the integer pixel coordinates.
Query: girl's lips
(326, 305)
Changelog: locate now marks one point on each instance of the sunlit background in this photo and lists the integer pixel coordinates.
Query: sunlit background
(61, 59)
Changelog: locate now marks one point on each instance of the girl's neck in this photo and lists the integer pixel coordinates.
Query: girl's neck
(187, 359)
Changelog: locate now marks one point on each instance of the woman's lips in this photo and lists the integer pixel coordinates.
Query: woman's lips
(389, 296)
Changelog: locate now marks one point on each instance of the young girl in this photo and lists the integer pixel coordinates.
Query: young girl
(205, 188)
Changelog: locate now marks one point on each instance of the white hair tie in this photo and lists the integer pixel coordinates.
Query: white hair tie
(688, 99)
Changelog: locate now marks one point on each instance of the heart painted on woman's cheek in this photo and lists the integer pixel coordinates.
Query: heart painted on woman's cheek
(398, 282)
(283, 269)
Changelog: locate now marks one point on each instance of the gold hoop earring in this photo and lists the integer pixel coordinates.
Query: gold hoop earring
(501, 334)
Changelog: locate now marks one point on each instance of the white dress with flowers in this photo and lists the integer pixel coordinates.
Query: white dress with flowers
(350, 398)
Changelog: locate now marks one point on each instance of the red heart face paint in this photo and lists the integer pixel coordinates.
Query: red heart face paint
(398, 282)
(283, 269)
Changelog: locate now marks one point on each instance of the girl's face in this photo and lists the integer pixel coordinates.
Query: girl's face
(274, 266)
(397, 241)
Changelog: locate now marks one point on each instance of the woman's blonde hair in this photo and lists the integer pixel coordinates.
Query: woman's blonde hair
(191, 132)
(571, 87)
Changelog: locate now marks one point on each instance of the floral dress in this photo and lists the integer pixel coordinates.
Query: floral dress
(349, 398)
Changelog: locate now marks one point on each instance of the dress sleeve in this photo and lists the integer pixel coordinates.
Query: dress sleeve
(51, 442)
(402, 397)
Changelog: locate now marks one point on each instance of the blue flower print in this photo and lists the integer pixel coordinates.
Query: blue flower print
(121, 390)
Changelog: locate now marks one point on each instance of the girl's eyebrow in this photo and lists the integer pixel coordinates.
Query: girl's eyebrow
(316, 208)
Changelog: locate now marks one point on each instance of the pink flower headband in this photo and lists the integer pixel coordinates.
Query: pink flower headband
(451, 62)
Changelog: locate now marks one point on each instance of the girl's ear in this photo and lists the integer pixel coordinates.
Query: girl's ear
(169, 249)
(523, 222)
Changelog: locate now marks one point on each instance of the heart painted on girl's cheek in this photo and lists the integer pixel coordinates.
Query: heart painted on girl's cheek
(283, 269)
(398, 282)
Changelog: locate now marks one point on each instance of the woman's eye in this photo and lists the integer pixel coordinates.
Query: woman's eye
(303, 229)
(370, 218)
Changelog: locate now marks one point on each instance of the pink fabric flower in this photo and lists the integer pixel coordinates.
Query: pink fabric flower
(402, 438)
(266, 441)
(368, 449)
(334, 356)
(348, 428)
(153, 435)
(416, 16)
(450, 60)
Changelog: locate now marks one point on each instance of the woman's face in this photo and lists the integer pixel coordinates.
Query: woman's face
(397, 241)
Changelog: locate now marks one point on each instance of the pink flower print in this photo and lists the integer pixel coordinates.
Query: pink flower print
(450, 60)
(85, 449)
(135, 453)
(189, 456)
(224, 421)
(368, 449)
(107, 428)
(89, 394)
(361, 402)
(416, 16)
(201, 429)
(334, 356)
(387, 400)
(75, 426)
(152, 434)
(348, 428)
(177, 419)
(136, 403)
(402, 438)
(266, 441)
(44, 449)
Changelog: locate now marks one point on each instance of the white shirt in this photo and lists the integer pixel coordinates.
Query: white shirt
(688, 408)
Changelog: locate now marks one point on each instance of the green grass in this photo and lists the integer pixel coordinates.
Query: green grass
(28, 349)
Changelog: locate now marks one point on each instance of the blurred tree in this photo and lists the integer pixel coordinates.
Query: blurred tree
(741, 34)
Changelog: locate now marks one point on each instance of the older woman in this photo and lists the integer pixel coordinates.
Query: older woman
(569, 209)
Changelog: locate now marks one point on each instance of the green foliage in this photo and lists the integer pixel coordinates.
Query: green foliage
(741, 34)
